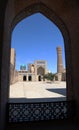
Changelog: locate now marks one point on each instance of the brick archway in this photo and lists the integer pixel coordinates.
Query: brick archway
(29, 78)
(24, 78)
(50, 14)
(10, 20)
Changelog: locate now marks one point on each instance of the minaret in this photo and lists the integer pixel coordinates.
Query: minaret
(13, 57)
(59, 60)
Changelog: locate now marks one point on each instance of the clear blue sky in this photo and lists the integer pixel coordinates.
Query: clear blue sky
(36, 38)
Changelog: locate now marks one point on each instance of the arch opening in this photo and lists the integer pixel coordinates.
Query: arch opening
(24, 78)
(16, 20)
(39, 78)
(40, 71)
(52, 16)
(30, 78)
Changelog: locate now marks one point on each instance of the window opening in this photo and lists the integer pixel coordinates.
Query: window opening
(37, 54)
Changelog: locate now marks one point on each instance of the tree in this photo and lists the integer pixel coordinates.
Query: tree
(49, 76)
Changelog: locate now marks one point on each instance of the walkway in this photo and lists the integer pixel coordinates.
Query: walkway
(37, 91)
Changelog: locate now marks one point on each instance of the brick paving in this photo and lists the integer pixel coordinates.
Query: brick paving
(38, 91)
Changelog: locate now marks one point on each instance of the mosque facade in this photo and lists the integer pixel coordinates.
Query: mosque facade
(35, 71)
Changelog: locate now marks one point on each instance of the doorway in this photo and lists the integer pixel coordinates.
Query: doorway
(24, 78)
(30, 78)
(39, 78)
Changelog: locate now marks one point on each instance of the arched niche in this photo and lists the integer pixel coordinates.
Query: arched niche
(40, 71)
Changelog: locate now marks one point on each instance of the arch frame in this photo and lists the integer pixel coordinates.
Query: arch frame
(9, 21)
(51, 15)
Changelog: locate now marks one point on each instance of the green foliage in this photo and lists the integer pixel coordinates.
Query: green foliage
(49, 76)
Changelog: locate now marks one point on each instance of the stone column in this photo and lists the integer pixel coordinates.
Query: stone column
(59, 60)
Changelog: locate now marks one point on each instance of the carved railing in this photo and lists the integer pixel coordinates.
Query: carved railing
(22, 112)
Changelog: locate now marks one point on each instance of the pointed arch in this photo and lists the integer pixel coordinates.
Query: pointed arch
(8, 22)
(29, 78)
(24, 78)
(40, 71)
(51, 15)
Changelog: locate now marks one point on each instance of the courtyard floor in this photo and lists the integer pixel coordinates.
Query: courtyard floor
(37, 91)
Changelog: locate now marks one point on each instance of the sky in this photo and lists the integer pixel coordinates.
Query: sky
(36, 38)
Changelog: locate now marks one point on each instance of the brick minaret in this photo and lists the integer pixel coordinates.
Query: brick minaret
(59, 60)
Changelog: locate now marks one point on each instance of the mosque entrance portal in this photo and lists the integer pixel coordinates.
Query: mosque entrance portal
(41, 71)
